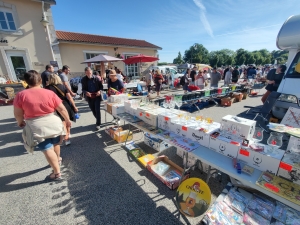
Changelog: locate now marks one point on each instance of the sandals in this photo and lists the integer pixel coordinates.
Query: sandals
(57, 177)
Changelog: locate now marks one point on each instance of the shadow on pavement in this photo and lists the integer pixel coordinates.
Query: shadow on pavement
(12, 151)
(5, 181)
(102, 191)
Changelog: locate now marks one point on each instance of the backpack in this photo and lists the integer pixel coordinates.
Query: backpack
(182, 81)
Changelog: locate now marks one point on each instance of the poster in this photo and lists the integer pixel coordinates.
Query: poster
(193, 197)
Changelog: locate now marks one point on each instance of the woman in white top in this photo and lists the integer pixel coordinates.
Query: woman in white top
(200, 80)
(228, 76)
(119, 75)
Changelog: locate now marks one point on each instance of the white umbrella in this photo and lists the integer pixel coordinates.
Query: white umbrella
(102, 59)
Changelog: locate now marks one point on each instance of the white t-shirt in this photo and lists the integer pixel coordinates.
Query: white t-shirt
(120, 77)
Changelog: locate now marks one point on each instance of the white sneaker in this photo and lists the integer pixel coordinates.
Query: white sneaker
(98, 127)
(67, 142)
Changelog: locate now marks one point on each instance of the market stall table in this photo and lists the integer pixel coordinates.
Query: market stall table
(129, 85)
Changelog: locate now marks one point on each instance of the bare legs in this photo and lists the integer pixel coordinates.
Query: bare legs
(68, 130)
(53, 157)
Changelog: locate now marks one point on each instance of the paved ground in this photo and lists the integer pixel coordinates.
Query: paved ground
(103, 184)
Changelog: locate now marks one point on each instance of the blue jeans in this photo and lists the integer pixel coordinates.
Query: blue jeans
(94, 104)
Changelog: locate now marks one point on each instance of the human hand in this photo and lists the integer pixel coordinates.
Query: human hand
(68, 123)
(88, 94)
(271, 82)
(75, 109)
(73, 94)
(98, 93)
(22, 124)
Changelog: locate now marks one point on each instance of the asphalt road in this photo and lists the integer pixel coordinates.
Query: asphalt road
(103, 184)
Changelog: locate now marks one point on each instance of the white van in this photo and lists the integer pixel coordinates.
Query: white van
(289, 39)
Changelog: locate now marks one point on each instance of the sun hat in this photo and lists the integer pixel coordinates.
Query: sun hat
(112, 72)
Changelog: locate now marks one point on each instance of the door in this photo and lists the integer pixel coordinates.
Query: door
(18, 64)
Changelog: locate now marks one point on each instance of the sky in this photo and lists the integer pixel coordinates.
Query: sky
(175, 25)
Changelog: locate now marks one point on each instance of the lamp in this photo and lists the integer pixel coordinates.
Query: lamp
(44, 21)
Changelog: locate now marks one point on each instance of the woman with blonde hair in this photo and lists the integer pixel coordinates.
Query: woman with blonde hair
(158, 79)
(55, 85)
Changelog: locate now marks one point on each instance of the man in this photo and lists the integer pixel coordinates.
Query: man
(45, 75)
(274, 79)
(228, 75)
(193, 75)
(215, 77)
(114, 82)
(91, 88)
(225, 71)
(65, 80)
(235, 75)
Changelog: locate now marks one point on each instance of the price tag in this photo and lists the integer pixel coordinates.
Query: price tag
(167, 118)
(141, 114)
(244, 152)
(184, 128)
(285, 166)
(147, 114)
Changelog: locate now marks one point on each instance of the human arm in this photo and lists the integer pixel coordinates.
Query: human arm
(66, 84)
(19, 115)
(64, 113)
(72, 102)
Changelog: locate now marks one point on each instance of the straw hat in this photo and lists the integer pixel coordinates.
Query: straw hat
(112, 72)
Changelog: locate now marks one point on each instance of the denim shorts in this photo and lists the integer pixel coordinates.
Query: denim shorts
(48, 143)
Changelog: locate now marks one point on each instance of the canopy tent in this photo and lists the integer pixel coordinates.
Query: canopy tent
(102, 59)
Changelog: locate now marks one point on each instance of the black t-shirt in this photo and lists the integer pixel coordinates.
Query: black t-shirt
(192, 75)
(61, 87)
(235, 74)
(118, 85)
(45, 76)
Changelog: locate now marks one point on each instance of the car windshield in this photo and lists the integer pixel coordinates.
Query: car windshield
(291, 73)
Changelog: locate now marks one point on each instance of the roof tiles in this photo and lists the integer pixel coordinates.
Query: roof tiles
(105, 40)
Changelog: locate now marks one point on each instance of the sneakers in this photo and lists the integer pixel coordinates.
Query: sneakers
(67, 142)
(97, 127)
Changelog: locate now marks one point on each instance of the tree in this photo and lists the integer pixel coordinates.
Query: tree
(162, 63)
(214, 58)
(240, 56)
(251, 59)
(230, 61)
(196, 54)
(178, 60)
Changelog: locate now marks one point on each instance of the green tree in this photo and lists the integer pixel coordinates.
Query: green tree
(230, 61)
(240, 56)
(178, 60)
(251, 59)
(213, 58)
(266, 56)
(196, 54)
(162, 63)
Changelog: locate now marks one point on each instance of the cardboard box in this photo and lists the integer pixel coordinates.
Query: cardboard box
(242, 126)
(140, 111)
(164, 120)
(294, 142)
(261, 160)
(289, 167)
(109, 107)
(111, 130)
(238, 97)
(118, 98)
(155, 143)
(117, 109)
(226, 101)
(150, 116)
(171, 177)
(224, 146)
(127, 106)
(121, 136)
(145, 159)
(202, 134)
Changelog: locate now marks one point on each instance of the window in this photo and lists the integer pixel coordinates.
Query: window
(91, 55)
(7, 22)
(292, 73)
(131, 69)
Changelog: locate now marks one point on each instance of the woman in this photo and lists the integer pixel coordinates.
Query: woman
(34, 111)
(158, 80)
(186, 80)
(149, 81)
(59, 89)
(200, 80)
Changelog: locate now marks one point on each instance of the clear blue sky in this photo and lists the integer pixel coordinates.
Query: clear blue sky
(175, 25)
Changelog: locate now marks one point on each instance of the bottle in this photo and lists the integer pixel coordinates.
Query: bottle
(77, 116)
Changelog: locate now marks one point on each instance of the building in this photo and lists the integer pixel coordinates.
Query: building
(28, 40)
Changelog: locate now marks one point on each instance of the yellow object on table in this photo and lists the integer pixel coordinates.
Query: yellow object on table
(121, 136)
(145, 159)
